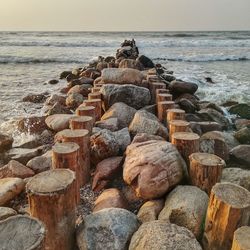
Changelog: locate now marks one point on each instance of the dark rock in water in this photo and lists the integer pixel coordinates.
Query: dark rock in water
(243, 135)
(192, 118)
(110, 228)
(71, 77)
(55, 99)
(180, 87)
(81, 81)
(57, 108)
(35, 98)
(74, 100)
(134, 96)
(192, 98)
(242, 123)
(211, 105)
(131, 63)
(209, 80)
(80, 89)
(5, 142)
(210, 126)
(64, 74)
(145, 61)
(53, 81)
(33, 124)
(229, 103)
(241, 155)
(186, 105)
(243, 110)
(168, 77)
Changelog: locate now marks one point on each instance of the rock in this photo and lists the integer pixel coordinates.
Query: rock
(41, 163)
(150, 210)
(211, 105)
(243, 110)
(151, 109)
(192, 118)
(145, 122)
(57, 108)
(187, 105)
(242, 123)
(32, 125)
(214, 143)
(213, 115)
(90, 73)
(15, 169)
(152, 168)
(10, 188)
(105, 172)
(110, 198)
(6, 212)
(237, 176)
(130, 63)
(110, 228)
(192, 98)
(134, 96)
(186, 206)
(58, 122)
(80, 89)
(71, 77)
(160, 235)
(241, 154)
(64, 74)
(5, 142)
(103, 144)
(181, 87)
(35, 98)
(168, 77)
(243, 135)
(122, 76)
(74, 100)
(145, 61)
(122, 112)
(101, 65)
(110, 124)
(23, 155)
(123, 139)
(55, 99)
(53, 81)
(209, 126)
(142, 137)
(81, 81)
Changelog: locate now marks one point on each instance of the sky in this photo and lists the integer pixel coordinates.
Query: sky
(126, 15)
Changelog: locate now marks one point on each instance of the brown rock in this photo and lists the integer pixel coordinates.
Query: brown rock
(55, 99)
(58, 122)
(142, 137)
(110, 124)
(6, 212)
(74, 100)
(130, 63)
(33, 124)
(80, 89)
(5, 142)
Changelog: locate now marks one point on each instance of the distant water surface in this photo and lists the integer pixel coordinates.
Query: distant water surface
(29, 59)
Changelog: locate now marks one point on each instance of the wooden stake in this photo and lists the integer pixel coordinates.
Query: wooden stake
(205, 170)
(82, 122)
(95, 89)
(22, 232)
(98, 85)
(241, 239)
(162, 108)
(175, 114)
(86, 111)
(52, 200)
(186, 143)
(82, 138)
(153, 86)
(228, 209)
(178, 126)
(95, 95)
(97, 103)
(163, 97)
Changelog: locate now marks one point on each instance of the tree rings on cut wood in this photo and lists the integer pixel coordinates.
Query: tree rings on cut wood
(178, 126)
(82, 122)
(86, 111)
(163, 97)
(175, 114)
(97, 103)
(22, 233)
(94, 95)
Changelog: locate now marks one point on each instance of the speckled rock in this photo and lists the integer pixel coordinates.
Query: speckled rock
(5, 142)
(58, 122)
(6, 212)
(241, 155)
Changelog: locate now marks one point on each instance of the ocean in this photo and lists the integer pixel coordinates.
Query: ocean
(29, 59)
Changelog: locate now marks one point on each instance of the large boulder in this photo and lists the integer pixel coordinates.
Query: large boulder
(130, 63)
(243, 135)
(122, 112)
(152, 168)
(145, 61)
(58, 122)
(186, 206)
(134, 96)
(110, 124)
(241, 155)
(74, 100)
(110, 228)
(123, 139)
(6, 212)
(160, 235)
(32, 124)
(80, 89)
(5, 142)
(145, 122)
(243, 110)
(122, 76)
(181, 87)
(55, 99)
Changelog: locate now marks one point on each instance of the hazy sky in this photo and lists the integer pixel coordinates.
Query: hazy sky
(127, 15)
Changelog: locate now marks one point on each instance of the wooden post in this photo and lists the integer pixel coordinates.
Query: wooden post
(22, 232)
(82, 122)
(95, 89)
(241, 239)
(205, 170)
(95, 95)
(97, 103)
(162, 108)
(52, 200)
(153, 86)
(228, 209)
(186, 143)
(82, 138)
(162, 91)
(163, 97)
(66, 155)
(175, 114)
(98, 85)
(177, 126)
(86, 111)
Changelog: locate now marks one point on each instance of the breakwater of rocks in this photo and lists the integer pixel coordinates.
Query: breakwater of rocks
(126, 156)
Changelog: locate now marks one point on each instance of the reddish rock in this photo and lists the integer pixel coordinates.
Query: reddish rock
(58, 122)
(33, 124)
(80, 89)
(130, 63)
(74, 100)
(5, 142)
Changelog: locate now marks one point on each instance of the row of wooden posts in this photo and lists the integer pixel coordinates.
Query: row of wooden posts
(54, 195)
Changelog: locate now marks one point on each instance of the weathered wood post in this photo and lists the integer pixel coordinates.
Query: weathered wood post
(52, 200)
(97, 103)
(178, 126)
(94, 95)
(175, 114)
(163, 97)
(95, 89)
(187, 143)
(82, 122)
(162, 108)
(98, 85)
(82, 138)
(153, 86)
(241, 240)
(205, 170)
(228, 209)
(86, 111)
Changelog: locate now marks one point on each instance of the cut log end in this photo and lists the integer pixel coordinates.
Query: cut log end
(241, 240)
(68, 133)
(65, 148)
(187, 136)
(206, 159)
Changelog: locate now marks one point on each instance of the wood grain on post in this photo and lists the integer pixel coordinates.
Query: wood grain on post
(205, 170)
(86, 111)
(241, 239)
(175, 114)
(163, 97)
(162, 108)
(67, 155)
(97, 103)
(82, 138)
(82, 122)
(228, 209)
(52, 200)
(22, 233)
(98, 85)
(153, 86)
(95, 95)
(187, 143)
(95, 89)
(178, 126)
